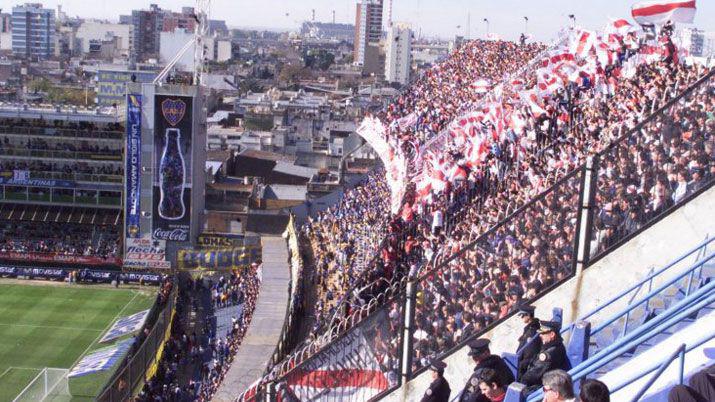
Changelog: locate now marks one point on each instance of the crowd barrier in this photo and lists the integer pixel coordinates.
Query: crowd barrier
(141, 363)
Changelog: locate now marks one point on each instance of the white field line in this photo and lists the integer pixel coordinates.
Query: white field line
(104, 330)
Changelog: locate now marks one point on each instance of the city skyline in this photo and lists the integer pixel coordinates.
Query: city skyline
(443, 19)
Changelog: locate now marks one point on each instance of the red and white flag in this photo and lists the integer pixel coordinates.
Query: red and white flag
(661, 11)
(582, 43)
(621, 27)
(348, 372)
(480, 86)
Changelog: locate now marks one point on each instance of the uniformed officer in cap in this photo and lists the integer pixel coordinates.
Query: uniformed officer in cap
(552, 355)
(479, 351)
(529, 342)
(439, 390)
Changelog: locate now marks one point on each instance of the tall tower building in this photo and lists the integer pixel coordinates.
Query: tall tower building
(368, 31)
(398, 59)
(33, 31)
(147, 26)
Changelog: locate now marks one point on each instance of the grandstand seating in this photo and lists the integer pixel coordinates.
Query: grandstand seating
(684, 303)
(547, 223)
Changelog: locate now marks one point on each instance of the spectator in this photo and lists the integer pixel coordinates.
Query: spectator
(490, 386)
(594, 391)
(558, 386)
(700, 388)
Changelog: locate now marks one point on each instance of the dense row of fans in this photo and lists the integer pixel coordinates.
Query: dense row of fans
(499, 155)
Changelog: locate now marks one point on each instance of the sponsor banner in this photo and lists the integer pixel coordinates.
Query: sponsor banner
(133, 165)
(346, 370)
(125, 326)
(102, 359)
(60, 258)
(45, 273)
(13, 181)
(218, 260)
(220, 240)
(146, 253)
(112, 85)
(84, 275)
(172, 179)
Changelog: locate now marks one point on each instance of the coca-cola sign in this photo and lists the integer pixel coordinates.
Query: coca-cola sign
(173, 135)
(171, 235)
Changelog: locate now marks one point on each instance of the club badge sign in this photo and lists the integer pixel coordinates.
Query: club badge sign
(172, 178)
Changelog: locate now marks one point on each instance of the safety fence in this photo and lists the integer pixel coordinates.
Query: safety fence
(141, 363)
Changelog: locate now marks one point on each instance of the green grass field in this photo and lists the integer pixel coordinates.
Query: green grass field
(54, 326)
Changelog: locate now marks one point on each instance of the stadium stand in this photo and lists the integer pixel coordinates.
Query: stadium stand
(482, 233)
(61, 178)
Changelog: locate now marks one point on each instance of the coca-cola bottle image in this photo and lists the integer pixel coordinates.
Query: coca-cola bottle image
(171, 177)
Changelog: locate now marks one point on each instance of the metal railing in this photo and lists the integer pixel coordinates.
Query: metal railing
(685, 308)
(87, 177)
(143, 360)
(634, 290)
(63, 133)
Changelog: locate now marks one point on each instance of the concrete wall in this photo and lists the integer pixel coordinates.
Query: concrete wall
(660, 244)
(96, 30)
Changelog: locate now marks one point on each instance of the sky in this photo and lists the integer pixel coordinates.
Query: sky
(433, 18)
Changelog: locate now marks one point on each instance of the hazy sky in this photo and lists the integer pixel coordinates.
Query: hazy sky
(433, 17)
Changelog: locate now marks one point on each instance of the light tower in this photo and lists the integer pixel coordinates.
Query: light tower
(201, 36)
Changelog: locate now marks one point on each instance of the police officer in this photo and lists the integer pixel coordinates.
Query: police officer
(479, 351)
(552, 355)
(529, 342)
(439, 390)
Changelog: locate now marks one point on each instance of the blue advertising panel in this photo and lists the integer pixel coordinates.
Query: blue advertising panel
(133, 165)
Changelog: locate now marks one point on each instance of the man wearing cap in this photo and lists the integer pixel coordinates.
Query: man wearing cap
(439, 390)
(529, 342)
(552, 355)
(479, 351)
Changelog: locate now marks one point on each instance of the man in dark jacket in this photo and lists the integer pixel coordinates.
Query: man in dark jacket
(552, 356)
(439, 390)
(529, 342)
(479, 351)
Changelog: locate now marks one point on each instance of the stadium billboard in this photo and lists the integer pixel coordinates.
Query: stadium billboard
(173, 131)
(144, 253)
(132, 189)
(218, 260)
(220, 240)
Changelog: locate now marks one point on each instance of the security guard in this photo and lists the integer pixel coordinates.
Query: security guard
(529, 342)
(439, 390)
(552, 355)
(479, 351)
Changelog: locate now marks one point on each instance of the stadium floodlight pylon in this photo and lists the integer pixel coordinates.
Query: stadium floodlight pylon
(50, 385)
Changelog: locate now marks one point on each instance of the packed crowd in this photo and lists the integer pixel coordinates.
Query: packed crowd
(340, 236)
(43, 145)
(60, 238)
(639, 178)
(344, 238)
(211, 353)
(53, 125)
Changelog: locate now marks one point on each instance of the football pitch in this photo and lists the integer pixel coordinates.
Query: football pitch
(55, 325)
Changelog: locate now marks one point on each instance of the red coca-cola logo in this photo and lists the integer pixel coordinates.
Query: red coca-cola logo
(172, 235)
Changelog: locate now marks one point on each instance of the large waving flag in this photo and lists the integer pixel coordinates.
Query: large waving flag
(661, 11)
